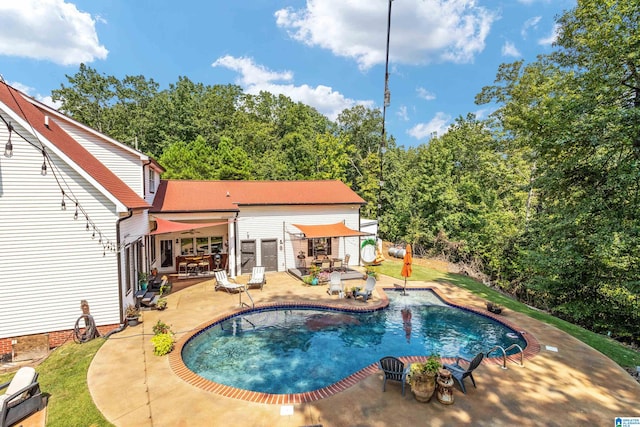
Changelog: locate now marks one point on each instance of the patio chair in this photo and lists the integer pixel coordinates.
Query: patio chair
(459, 373)
(368, 289)
(326, 265)
(345, 262)
(335, 284)
(21, 398)
(222, 282)
(394, 370)
(257, 279)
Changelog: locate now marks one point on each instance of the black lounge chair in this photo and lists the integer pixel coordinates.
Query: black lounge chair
(393, 369)
(21, 398)
(459, 373)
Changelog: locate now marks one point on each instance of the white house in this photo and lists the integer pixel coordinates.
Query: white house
(82, 214)
(254, 222)
(74, 207)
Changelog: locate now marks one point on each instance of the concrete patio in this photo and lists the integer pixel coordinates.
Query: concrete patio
(574, 385)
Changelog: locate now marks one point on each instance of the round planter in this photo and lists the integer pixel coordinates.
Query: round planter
(423, 387)
(132, 321)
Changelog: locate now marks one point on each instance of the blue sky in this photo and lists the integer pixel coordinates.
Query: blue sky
(329, 54)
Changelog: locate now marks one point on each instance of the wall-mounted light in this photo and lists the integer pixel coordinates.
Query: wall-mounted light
(46, 121)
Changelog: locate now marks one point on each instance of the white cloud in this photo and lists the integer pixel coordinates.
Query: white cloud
(425, 94)
(551, 38)
(509, 49)
(529, 23)
(437, 126)
(28, 90)
(52, 30)
(402, 113)
(255, 78)
(421, 31)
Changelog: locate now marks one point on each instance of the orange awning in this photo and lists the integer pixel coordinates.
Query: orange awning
(166, 226)
(328, 230)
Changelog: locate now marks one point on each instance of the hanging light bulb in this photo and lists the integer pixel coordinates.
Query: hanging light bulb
(93, 236)
(100, 238)
(8, 149)
(63, 205)
(75, 215)
(87, 218)
(43, 169)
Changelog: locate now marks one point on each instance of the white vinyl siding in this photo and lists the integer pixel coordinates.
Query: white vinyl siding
(128, 165)
(48, 261)
(264, 223)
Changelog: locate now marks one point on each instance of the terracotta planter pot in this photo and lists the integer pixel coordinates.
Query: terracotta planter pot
(423, 386)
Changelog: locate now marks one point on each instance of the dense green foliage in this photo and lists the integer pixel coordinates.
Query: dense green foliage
(540, 200)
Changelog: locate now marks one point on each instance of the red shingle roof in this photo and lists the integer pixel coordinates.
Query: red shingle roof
(227, 196)
(29, 111)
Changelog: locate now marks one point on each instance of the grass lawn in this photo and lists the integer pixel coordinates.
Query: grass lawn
(63, 375)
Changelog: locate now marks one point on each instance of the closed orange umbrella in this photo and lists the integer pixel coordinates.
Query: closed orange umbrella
(406, 267)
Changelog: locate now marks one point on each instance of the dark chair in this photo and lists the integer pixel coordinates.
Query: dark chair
(459, 373)
(368, 289)
(21, 398)
(393, 369)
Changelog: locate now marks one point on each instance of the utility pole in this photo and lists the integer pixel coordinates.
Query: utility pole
(387, 101)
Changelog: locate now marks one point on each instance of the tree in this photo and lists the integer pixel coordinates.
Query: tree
(578, 109)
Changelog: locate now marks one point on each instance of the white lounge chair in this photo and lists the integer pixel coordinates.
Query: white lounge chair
(336, 284)
(21, 398)
(222, 282)
(257, 279)
(368, 289)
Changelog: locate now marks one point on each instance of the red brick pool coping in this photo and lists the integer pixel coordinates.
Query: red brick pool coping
(181, 370)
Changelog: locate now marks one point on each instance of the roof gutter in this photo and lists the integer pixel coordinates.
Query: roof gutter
(144, 180)
(120, 296)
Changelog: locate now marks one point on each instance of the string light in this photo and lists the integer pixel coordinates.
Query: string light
(43, 169)
(8, 148)
(8, 152)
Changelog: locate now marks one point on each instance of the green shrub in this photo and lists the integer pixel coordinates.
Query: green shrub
(162, 344)
(161, 328)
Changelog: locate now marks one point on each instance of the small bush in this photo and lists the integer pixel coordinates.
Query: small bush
(162, 344)
(161, 328)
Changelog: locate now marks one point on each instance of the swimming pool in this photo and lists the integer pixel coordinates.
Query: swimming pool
(283, 351)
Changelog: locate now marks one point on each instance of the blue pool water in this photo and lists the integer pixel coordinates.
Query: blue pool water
(285, 351)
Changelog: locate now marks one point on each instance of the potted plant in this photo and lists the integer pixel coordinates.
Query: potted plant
(132, 314)
(314, 271)
(494, 308)
(161, 304)
(422, 378)
(143, 280)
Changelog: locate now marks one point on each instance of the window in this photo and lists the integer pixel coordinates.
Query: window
(319, 247)
(209, 245)
(152, 181)
(186, 246)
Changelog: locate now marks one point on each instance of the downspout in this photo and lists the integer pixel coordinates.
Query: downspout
(144, 178)
(120, 297)
(237, 243)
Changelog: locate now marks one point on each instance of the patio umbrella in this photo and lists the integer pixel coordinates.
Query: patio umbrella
(406, 267)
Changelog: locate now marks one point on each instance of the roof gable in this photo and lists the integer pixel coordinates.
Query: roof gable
(27, 109)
